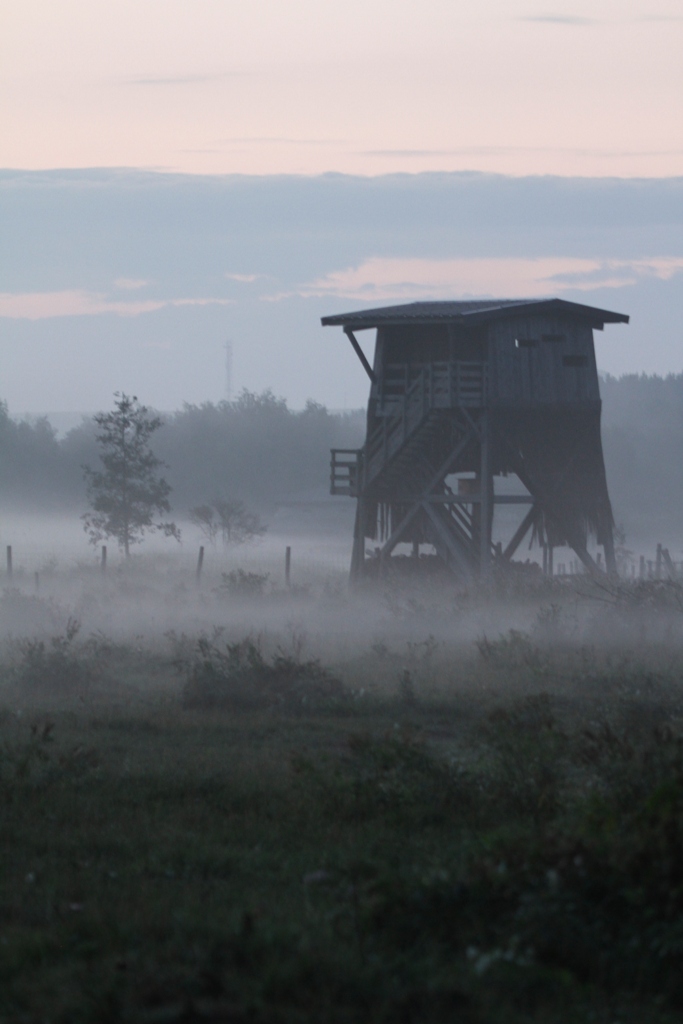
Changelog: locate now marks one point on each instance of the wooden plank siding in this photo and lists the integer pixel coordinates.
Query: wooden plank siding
(537, 371)
(529, 361)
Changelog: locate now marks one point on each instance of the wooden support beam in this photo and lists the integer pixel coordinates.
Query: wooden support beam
(486, 487)
(436, 478)
(475, 499)
(358, 554)
(396, 534)
(361, 354)
(670, 567)
(520, 533)
(447, 538)
(610, 557)
(549, 508)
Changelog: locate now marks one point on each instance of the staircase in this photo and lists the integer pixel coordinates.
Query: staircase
(412, 409)
(414, 432)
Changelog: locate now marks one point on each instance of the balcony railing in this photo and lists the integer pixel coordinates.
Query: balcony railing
(404, 402)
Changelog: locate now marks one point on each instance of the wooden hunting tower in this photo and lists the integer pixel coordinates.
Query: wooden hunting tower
(462, 393)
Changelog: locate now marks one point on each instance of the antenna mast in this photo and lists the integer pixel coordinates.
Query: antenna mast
(228, 370)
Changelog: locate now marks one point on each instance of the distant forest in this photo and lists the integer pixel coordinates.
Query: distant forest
(259, 450)
(255, 449)
(642, 433)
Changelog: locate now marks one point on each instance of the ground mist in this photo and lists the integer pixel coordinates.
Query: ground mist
(243, 802)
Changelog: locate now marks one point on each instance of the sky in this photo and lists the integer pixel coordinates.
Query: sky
(174, 174)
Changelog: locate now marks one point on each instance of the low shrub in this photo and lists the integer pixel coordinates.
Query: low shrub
(238, 675)
(60, 665)
(239, 583)
(513, 650)
(395, 775)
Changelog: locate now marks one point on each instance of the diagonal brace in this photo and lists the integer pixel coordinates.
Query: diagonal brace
(361, 354)
(520, 532)
(446, 538)
(436, 478)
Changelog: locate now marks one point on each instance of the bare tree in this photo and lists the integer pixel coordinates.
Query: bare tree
(204, 516)
(237, 523)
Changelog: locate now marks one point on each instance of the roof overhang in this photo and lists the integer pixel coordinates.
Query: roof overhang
(471, 313)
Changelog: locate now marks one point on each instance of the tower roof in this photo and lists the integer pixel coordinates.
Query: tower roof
(475, 311)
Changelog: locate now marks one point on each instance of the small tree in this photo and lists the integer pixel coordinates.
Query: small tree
(127, 494)
(232, 519)
(204, 516)
(237, 523)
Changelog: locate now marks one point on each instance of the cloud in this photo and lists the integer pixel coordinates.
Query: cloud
(475, 151)
(461, 151)
(42, 305)
(558, 19)
(244, 278)
(130, 284)
(280, 140)
(380, 278)
(182, 79)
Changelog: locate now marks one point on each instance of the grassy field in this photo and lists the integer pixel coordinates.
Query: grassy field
(227, 828)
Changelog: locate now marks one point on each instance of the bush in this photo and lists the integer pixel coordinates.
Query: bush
(395, 775)
(238, 675)
(58, 666)
(239, 583)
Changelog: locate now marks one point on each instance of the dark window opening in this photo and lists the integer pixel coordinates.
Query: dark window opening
(575, 360)
(526, 342)
(554, 338)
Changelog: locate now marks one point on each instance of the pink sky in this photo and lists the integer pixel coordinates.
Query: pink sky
(359, 86)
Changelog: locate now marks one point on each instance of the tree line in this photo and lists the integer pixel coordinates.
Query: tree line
(258, 451)
(255, 450)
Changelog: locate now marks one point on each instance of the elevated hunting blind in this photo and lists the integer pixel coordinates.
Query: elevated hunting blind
(465, 392)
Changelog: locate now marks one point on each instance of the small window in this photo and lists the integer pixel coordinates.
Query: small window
(555, 339)
(526, 342)
(575, 360)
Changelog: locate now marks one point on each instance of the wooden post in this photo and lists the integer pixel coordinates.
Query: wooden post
(550, 560)
(610, 557)
(641, 568)
(358, 554)
(103, 560)
(485, 504)
(658, 563)
(670, 567)
(37, 580)
(9, 561)
(288, 564)
(200, 563)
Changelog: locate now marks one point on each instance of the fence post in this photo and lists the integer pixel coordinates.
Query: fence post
(641, 568)
(200, 563)
(37, 579)
(658, 563)
(288, 564)
(9, 561)
(103, 561)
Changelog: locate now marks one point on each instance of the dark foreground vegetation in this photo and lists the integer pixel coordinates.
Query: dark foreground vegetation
(215, 829)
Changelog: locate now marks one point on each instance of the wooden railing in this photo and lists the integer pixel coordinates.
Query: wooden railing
(406, 396)
(345, 469)
(446, 385)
